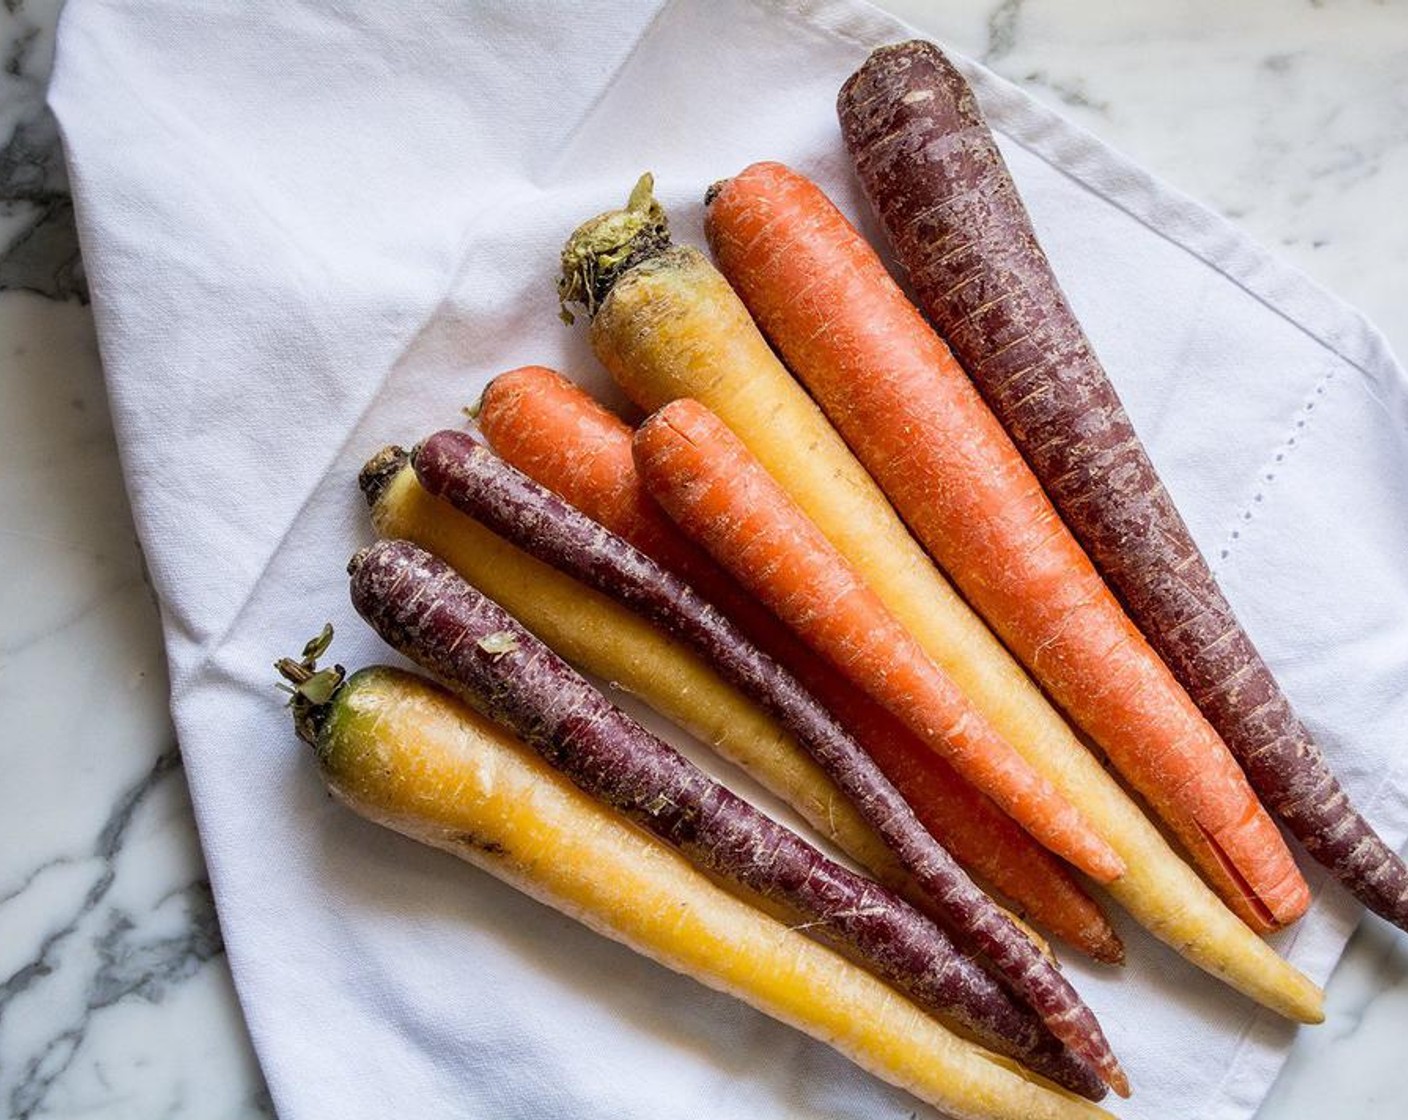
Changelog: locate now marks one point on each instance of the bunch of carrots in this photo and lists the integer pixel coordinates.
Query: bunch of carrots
(862, 566)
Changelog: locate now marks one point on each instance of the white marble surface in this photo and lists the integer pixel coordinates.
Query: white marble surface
(1289, 117)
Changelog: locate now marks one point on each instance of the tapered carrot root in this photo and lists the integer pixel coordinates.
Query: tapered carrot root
(550, 429)
(907, 409)
(724, 500)
(477, 482)
(424, 609)
(404, 754)
(932, 170)
(667, 325)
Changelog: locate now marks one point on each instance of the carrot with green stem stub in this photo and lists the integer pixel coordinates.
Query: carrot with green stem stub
(553, 431)
(469, 476)
(420, 606)
(893, 390)
(933, 171)
(667, 325)
(405, 754)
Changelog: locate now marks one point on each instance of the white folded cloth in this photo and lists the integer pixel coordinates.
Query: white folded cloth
(315, 228)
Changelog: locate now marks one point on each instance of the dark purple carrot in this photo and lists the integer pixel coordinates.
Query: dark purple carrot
(422, 607)
(452, 466)
(930, 166)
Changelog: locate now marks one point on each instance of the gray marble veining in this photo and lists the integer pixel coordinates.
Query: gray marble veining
(36, 212)
(1289, 117)
(113, 992)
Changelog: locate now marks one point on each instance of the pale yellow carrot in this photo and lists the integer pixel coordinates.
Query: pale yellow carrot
(404, 754)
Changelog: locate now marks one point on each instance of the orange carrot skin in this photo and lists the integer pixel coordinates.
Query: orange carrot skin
(555, 433)
(559, 436)
(550, 429)
(721, 496)
(902, 402)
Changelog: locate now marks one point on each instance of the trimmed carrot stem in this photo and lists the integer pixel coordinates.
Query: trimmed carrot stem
(554, 432)
(911, 415)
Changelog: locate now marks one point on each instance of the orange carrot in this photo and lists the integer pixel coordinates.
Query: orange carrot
(907, 409)
(554, 432)
(723, 498)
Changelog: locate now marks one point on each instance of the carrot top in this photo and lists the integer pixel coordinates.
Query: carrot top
(602, 248)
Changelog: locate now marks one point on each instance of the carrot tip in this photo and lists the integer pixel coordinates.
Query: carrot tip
(1103, 864)
(1108, 949)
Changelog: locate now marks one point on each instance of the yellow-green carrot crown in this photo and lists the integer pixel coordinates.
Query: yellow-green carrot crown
(310, 689)
(604, 247)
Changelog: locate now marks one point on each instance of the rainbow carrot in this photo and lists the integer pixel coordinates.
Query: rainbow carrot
(667, 325)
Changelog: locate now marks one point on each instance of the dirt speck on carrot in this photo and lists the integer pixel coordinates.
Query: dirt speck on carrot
(499, 643)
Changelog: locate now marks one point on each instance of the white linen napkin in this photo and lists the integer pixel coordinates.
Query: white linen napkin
(315, 228)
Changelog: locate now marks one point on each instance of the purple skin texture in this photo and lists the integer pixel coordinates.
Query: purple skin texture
(421, 607)
(934, 175)
(454, 467)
